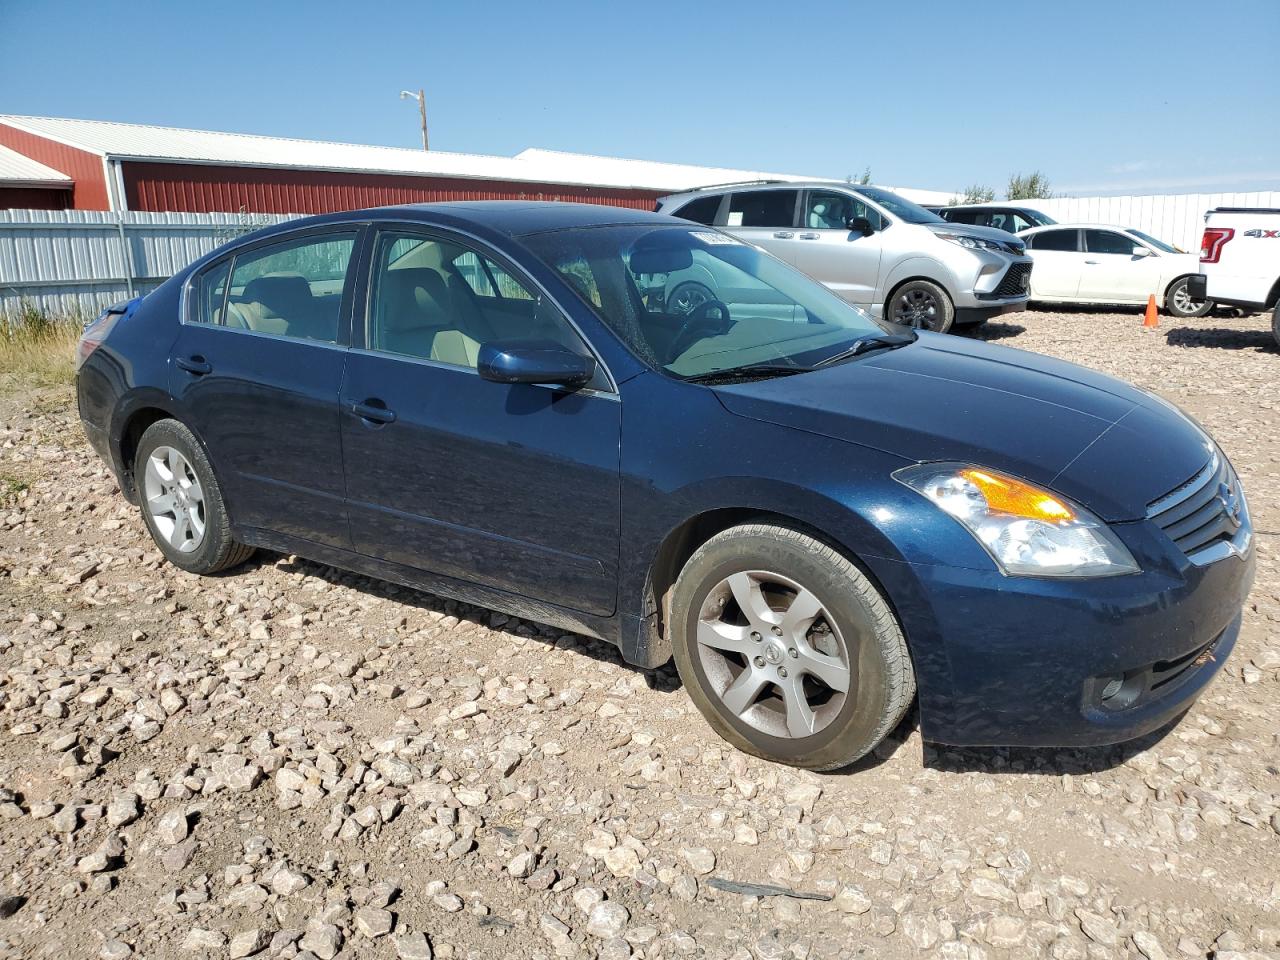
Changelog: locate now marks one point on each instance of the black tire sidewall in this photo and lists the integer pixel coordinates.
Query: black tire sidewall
(213, 551)
(854, 730)
(946, 307)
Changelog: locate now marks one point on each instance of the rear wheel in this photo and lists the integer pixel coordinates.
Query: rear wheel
(1179, 302)
(1275, 324)
(787, 649)
(182, 503)
(921, 304)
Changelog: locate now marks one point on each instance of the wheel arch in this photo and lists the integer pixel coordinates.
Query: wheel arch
(133, 418)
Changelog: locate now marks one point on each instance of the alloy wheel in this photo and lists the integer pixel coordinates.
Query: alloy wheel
(1183, 302)
(772, 654)
(916, 308)
(174, 499)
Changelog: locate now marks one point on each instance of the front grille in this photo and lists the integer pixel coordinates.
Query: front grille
(1207, 509)
(1013, 284)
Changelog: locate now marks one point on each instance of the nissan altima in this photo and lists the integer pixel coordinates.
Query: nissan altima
(821, 517)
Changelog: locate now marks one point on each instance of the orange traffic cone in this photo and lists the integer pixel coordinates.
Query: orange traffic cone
(1152, 318)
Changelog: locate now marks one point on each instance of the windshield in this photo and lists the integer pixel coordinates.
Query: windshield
(691, 302)
(902, 209)
(1158, 244)
(1037, 218)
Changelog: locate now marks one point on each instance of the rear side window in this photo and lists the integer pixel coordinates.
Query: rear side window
(210, 291)
(291, 289)
(1107, 241)
(960, 216)
(1055, 240)
(762, 208)
(703, 210)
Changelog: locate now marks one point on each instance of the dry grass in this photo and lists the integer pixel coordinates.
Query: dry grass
(37, 348)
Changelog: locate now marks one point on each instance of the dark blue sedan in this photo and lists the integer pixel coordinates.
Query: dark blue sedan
(819, 517)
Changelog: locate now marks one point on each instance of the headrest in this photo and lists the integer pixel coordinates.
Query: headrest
(279, 292)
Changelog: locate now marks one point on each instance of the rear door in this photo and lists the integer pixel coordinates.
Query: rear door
(1059, 262)
(1112, 274)
(827, 250)
(512, 486)
(766, 218)
(256, 370)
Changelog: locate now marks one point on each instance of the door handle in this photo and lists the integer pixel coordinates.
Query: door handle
(1092, 263)
(373, 411)
(197, 365)
(784, 234)
(810, 236)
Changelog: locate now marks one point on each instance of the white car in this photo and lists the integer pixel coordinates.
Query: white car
(1097, 263)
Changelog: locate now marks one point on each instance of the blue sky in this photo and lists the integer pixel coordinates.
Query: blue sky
(1103, 97)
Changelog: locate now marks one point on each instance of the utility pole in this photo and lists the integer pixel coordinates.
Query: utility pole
(421, 97)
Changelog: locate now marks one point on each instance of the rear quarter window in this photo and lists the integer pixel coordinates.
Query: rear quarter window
(703, 210)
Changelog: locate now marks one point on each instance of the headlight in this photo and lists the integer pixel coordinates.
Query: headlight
(974, 243)
(1028, 531)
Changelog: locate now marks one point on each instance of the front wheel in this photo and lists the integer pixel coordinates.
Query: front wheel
(787, 649)
(921, 304)
(182, 503)
(1179, 302)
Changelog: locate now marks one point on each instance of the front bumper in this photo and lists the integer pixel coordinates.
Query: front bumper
(1025, 662)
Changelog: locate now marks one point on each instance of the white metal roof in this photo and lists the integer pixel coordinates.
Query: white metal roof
(17, 170)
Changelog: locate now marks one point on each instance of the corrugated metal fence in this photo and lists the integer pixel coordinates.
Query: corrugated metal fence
(1173, 218)
(72, 263)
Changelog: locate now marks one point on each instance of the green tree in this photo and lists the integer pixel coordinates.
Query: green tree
(974, 193)
(865, 179)
(1028, 186)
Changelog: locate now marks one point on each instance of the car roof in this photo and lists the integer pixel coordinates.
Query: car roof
(513, 218)
(713, 189)
(990, 205)
(1076, 226)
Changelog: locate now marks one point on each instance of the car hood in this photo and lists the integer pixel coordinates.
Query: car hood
(973, 230)
(1104, 444)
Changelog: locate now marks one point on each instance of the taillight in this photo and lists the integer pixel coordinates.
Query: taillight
(96, 331)
(1211, 244)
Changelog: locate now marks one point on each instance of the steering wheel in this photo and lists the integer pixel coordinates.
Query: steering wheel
(699, 323)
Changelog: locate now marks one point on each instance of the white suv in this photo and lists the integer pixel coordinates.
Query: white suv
(872, 247)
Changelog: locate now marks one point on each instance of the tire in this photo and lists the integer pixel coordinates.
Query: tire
(720, 658)
(182, 503)
(1178, 303)
(687, 297)
(1275, 324)
(920, 304)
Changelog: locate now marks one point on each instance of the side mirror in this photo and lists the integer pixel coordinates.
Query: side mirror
(1141, 251)
(860, 225)
(534, 361)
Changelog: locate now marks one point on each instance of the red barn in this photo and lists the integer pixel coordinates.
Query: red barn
(97, 165)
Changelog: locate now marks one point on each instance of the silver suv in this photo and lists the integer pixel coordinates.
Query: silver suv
(872, 247)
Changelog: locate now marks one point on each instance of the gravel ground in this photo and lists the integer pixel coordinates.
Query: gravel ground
(292, 761)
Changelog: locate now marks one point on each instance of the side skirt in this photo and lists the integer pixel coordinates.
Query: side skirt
(609, 629)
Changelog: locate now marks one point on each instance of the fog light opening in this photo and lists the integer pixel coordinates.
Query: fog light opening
(1119, 691)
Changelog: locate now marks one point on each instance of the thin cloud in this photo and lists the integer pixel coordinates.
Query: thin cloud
(1239, 182)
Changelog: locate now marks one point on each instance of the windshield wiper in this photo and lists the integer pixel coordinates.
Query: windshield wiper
(748, 371)
(888, 341)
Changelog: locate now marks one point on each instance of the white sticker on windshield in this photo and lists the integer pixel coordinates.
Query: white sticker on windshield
(715, 238)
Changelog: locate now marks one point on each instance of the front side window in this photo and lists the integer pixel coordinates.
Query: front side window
(898, 206)
(692, 302)
(762, 208)
(434, 299)
(291, 289)
(1062, 240)
(1108, 241)
(703, 210)
(832, 210)
(1153, 242)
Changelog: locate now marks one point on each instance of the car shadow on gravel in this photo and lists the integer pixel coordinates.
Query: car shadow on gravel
(1041, 761)
(1222, 338)
(990, 331)
(661, 680)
